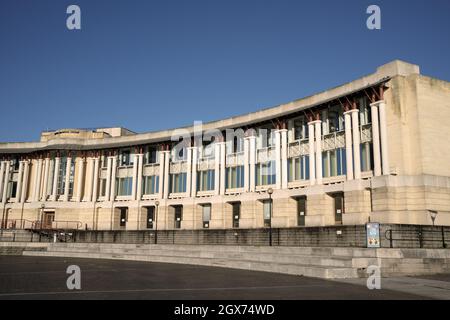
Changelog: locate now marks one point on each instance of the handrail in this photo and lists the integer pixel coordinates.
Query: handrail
(15, 223)
(56, 224)
(419, 237)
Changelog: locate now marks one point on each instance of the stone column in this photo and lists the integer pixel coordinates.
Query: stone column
(45, 184)
(356, 143)
(252, 162)
(108, 178)
(95, 182)
(166, 174)
(277, 159)
(223, 155)
(312, 157)
(19, 181)
(284, 158)
(161, 175)
(318, 134)
(26, 171)
(348, 144)
(135, 173)
(194, 171)
(67, 179)
(189, 171)
(217, 164)
(5, 184)
(384, 138)
(2, 173)
(80, 175)
(55, 178)
(139, 176)
(246, 164)
(89, 179)
(376, 139)
(113, 178)
(37, 181)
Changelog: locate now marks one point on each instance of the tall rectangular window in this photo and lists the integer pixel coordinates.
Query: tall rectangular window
(102, 187)
(265, 173)
(150, 185)
(177, 182)
(126, 158)
(150, 155)
(334, 163)
(124, 186)
(366, 156)
(205, 180)
(234, 177)
(298, 168)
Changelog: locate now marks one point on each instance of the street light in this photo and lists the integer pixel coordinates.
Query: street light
(42, 215)
(433, 215)
(270, 191)
(156, 221)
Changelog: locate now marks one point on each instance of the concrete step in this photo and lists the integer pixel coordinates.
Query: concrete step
(294, 269)
(263, 257)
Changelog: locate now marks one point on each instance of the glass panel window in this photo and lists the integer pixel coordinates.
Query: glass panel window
(366, 156)
(334, 163)
(178, 182)
(234, 177)
(298, 168)
(150, 185)
(151, 155)
(205, 180)
(126, 158)
(265, 173)
(124, 186)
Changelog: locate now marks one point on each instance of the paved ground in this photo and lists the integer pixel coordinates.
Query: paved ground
(45, 278)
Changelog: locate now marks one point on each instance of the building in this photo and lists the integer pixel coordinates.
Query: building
(373, 150)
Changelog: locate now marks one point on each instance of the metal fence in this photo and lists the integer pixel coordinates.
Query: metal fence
(391, 236)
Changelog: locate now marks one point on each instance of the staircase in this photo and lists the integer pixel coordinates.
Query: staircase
(318, 262)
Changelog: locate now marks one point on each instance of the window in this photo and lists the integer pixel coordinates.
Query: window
(207, 149)
(238, 144)
(265, 173)
(205, 180)
(102, 187)
(177, 182)
(364, 112)
(267, 204)
(124, 186)
(12, 189)
(236, 214)
(179, 153)
(206, 214)
(151, 155)
(150, 185)
(266, 137)
(62, 177)
(298, 168)
(126, 158)
(300, 128)
(334, 163)
(366, 156)
(234, 177)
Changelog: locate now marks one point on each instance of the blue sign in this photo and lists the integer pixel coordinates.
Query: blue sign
(373, 235)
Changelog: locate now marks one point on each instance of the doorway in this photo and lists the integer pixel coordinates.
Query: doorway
(338, 207)
(49, 217)
(150, 217)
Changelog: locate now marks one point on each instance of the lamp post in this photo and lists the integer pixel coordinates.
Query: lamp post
(433, 215)
(156, 221)
(42, 215)
(270, 191)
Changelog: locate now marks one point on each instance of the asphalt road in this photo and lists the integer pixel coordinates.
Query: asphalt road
(45, 278)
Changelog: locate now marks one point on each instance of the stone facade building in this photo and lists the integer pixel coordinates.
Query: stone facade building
(370, 150)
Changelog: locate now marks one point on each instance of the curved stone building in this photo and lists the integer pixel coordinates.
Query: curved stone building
(373, 150)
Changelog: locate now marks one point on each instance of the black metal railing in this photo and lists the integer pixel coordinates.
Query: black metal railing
(421, 236)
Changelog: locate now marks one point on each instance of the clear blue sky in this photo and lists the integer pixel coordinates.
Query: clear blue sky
(149, 65)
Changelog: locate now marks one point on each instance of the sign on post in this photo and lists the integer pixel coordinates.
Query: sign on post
(373, 235)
